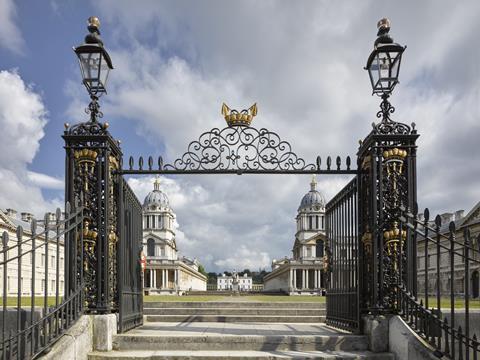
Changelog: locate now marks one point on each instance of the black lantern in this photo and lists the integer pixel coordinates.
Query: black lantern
(383, 64)
(95, 63)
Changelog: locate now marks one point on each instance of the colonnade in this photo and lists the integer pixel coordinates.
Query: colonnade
(304, 279)
(160, 278)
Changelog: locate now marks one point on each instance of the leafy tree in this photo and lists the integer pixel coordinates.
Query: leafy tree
(201, 270)
(212, 278)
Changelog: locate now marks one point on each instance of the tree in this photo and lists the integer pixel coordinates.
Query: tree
(212, 278)
(201, 270)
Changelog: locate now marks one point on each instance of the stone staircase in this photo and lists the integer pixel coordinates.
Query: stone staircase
(235, 312)
(237, 330)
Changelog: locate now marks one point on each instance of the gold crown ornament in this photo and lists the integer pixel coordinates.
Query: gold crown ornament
(236, 118)
(394, 239)
(394, 159)
(85, 155)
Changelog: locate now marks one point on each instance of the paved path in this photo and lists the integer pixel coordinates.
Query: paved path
(216, 328)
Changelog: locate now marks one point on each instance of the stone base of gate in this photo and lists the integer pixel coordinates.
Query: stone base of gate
(89, 333)
(389, 333)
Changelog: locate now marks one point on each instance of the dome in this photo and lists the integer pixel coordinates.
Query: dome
(156, 197)
(312, 198)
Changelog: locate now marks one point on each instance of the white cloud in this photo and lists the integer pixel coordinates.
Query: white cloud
(44, 181)
(22, 120)
(302, 63)
(10, 35)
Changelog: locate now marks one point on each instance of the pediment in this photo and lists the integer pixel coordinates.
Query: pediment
(473, 216)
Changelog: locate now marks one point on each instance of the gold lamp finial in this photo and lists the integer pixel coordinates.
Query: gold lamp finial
(94, 21)
(383, 24)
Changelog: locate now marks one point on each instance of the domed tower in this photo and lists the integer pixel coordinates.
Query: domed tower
(158, 225)
(310, 223)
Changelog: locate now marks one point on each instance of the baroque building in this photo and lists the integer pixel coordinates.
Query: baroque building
(303, 272)
(44, 263)
(165, 272)
(443, 281)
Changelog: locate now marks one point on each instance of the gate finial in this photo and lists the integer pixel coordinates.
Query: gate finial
(236, 118)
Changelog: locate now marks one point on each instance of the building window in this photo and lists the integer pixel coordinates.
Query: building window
(319, 248)
(163, 250)
(316, 222)
(148, 222)
(150, 247)
(310, 222)
(154, 221)
(323, 222)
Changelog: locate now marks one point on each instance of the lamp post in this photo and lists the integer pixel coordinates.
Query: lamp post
(383, 67)
(95, 65)
(93, 158)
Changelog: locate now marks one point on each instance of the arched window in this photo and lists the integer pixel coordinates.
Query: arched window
(319, 249)
(150, 247)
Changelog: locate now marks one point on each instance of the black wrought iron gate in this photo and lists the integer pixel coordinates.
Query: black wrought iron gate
(130, 288)
(343, 260)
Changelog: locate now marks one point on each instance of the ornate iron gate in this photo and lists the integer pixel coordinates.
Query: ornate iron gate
(130, 287)
(343, 260)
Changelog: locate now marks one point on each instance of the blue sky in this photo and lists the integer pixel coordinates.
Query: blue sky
(177, 61)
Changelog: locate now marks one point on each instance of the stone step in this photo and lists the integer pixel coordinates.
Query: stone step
(231, 342)
(231, 311)
(234, 304)
(237, 318)
(238, 355)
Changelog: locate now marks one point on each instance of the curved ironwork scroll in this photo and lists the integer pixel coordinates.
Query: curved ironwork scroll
(388, 126)
(239, 148)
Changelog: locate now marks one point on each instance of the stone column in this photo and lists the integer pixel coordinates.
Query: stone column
(294, 278)
(163, 278)
(167, 285)
(176, 278)
(306, 279)
(154, 278)
(303, 278)
(315, 279)
(151, 278)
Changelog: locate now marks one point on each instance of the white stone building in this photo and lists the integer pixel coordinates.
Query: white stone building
(165, 273)
(225, 282)
(303, 273)
(9, 221)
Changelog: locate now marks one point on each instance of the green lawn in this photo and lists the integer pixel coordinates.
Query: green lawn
(260, 298)
(445, 303)
(26, 301)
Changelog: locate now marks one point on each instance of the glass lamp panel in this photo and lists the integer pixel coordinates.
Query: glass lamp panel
(374, 71)
(104, 69)
(89, 64)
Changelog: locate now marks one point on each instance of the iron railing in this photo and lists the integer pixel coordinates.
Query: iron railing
(440, 314)
(33, 319)
(342, 249)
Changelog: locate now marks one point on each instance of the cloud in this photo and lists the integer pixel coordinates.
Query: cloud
(302, 63)
(22, 119)
(45, 181)
(10, 35)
